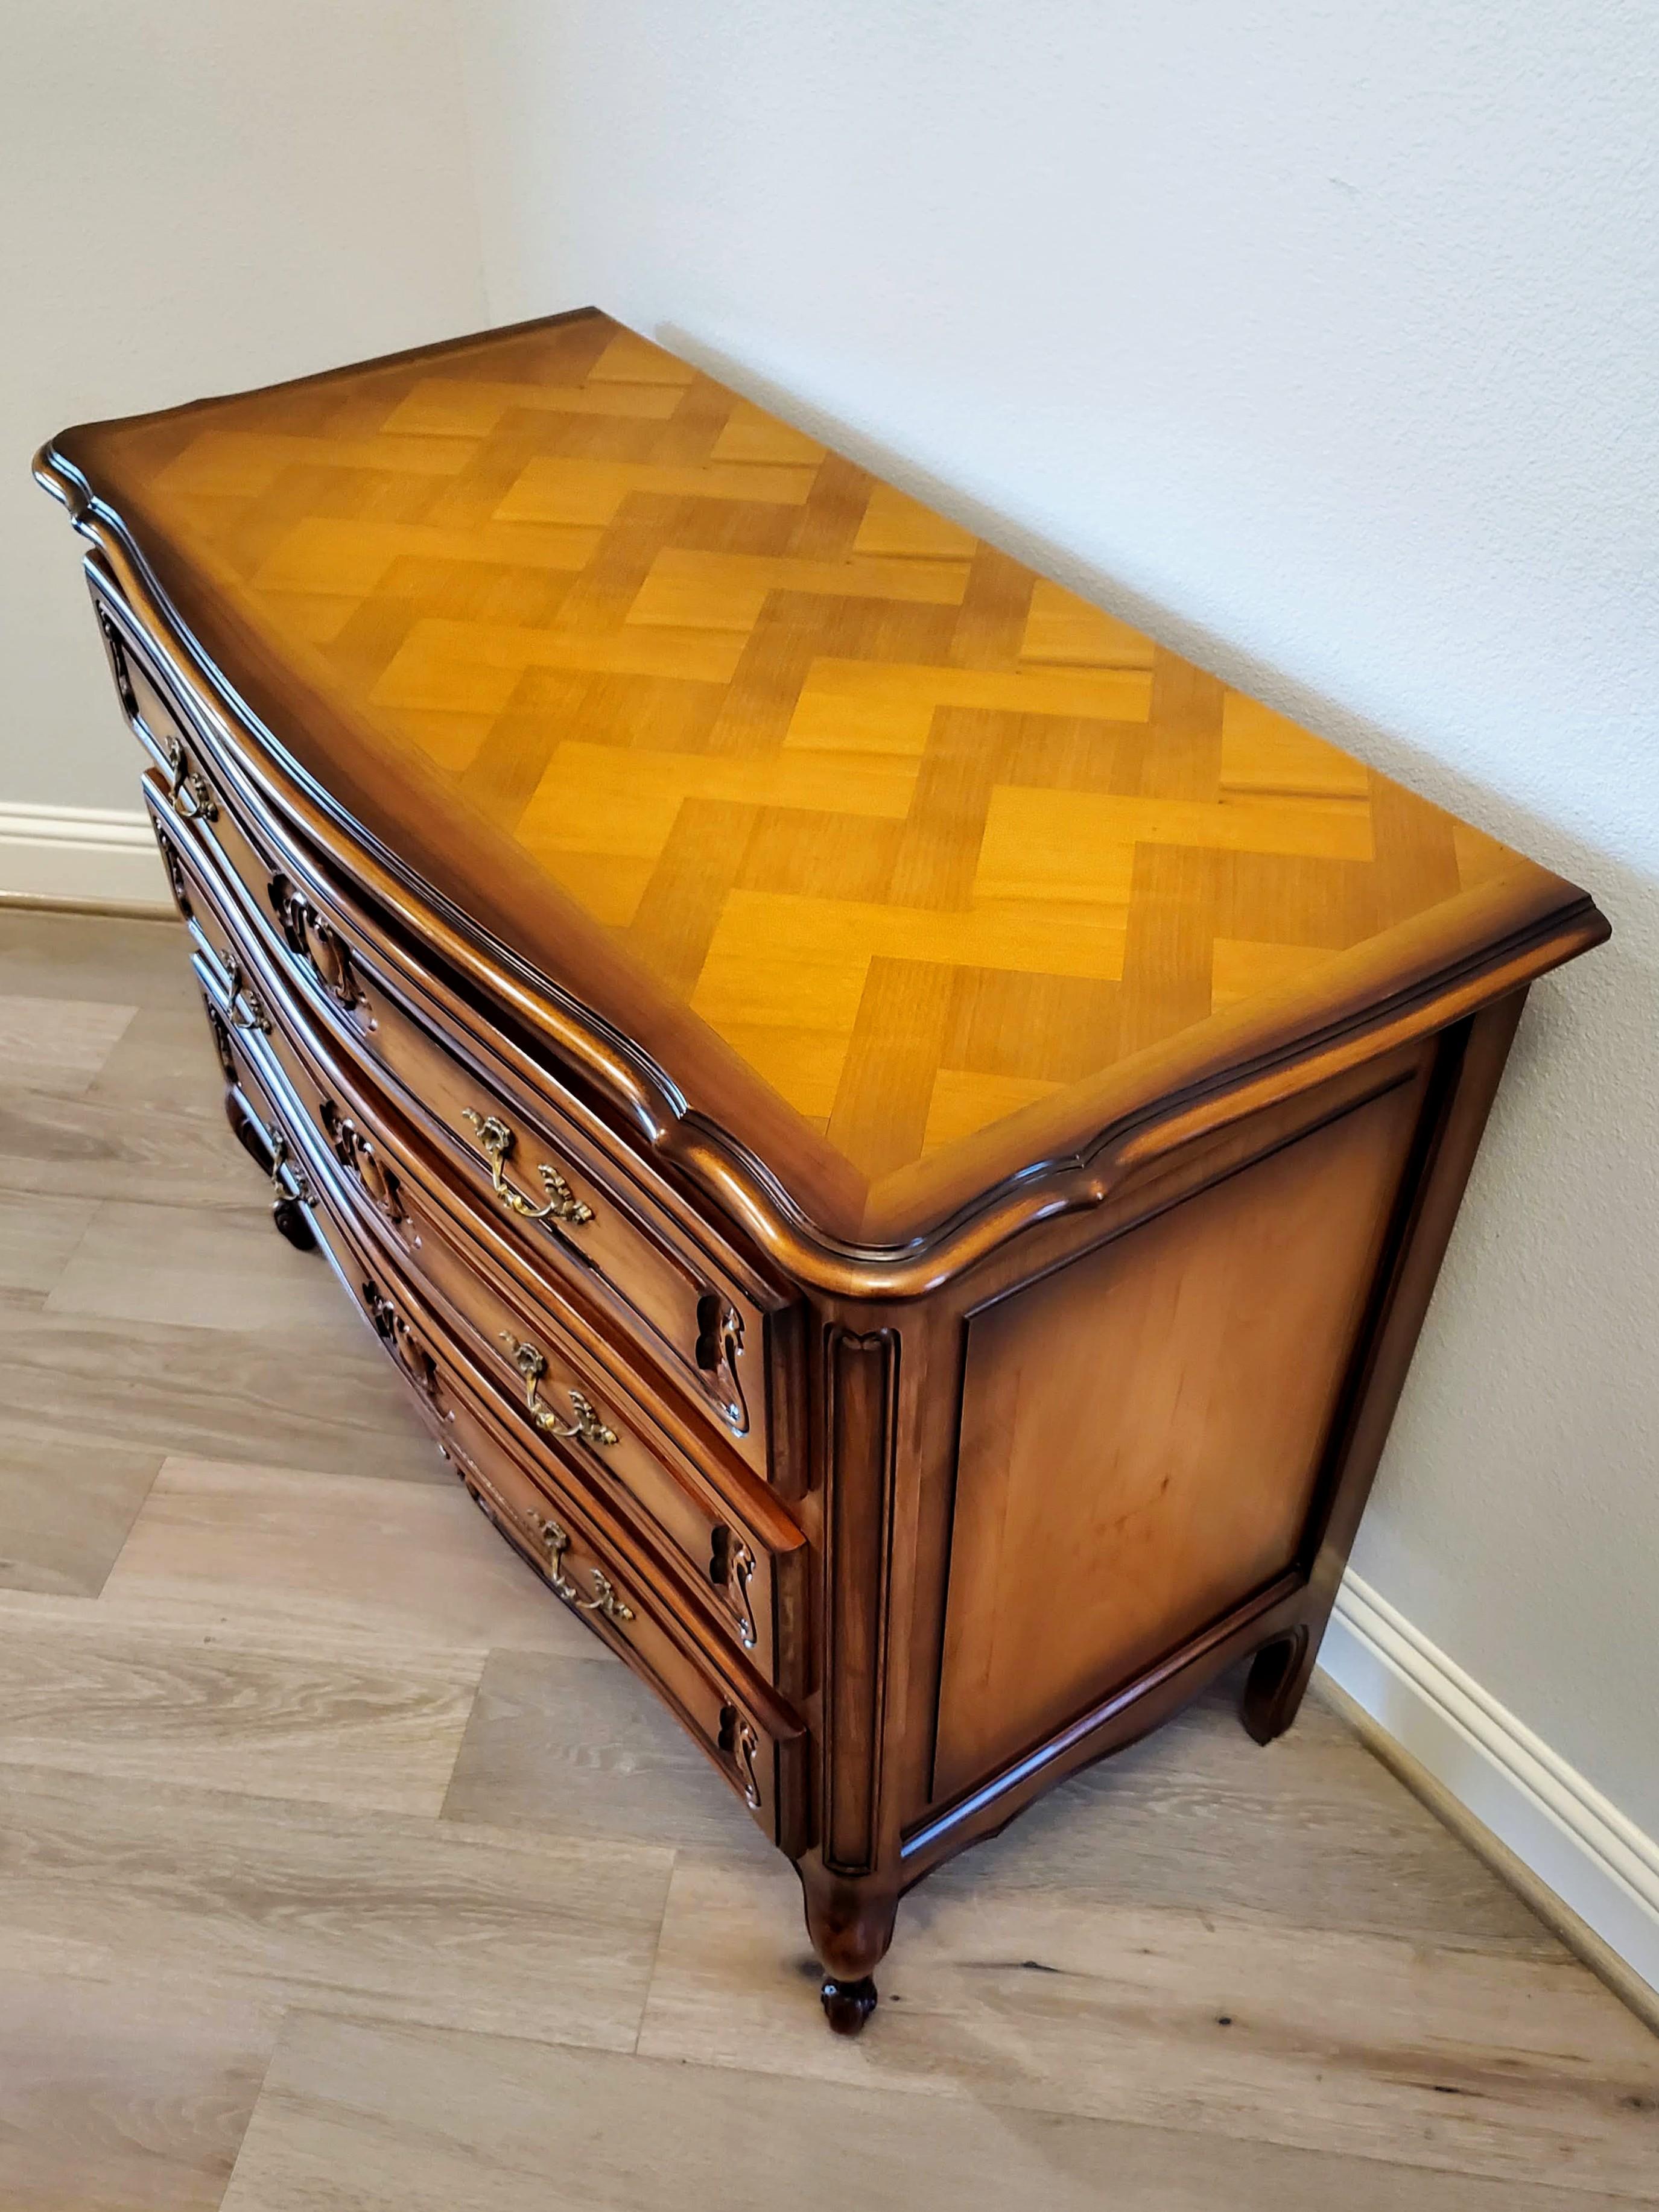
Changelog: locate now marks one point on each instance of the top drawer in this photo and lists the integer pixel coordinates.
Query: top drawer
(595, 1215)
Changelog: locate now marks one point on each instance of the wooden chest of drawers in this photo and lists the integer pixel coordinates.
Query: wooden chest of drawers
(900, 1133)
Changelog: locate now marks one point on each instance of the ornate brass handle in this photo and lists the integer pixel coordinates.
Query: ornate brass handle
(176, 882)
(288, 1207)
(192, 795)
(720, 1345)
(282, 1162)
(604, 1599)
(246, 1009)
(532, 1365)
(117, 654)
(742, 1569)
(495, 1142)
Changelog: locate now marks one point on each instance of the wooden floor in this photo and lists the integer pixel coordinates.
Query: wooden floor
(340, 1868)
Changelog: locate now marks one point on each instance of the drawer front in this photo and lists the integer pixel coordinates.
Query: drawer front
(581, 1213)
(575, 1414)
(576, 1221)
(756, 1760)
(586, 1556)
(744, 1554)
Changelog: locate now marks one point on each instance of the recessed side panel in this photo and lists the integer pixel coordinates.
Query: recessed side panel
(1143, 1430)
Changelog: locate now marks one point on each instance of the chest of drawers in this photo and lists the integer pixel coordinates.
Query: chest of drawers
(900, 1133)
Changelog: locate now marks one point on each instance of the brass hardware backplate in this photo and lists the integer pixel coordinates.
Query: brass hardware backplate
(496, 1142)
(531, 1364)
(605, 1600)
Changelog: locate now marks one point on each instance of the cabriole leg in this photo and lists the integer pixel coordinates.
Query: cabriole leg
(851, 1924)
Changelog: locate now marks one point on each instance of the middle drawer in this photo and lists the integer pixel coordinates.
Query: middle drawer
(577, 1395)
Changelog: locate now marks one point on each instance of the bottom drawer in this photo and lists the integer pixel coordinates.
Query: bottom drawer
(579, 1570)
(599, 1569)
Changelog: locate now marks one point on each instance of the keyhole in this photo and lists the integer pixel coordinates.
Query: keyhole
(720, 1555)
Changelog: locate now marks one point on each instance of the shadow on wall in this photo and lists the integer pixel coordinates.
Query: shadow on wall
(1515, 1518)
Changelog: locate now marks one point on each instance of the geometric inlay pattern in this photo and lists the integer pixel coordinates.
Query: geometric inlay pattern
(922, 835)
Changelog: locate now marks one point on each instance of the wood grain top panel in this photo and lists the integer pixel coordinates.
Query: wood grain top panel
(925, 840)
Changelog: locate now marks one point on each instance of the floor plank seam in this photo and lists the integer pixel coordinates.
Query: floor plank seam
(656, 1951)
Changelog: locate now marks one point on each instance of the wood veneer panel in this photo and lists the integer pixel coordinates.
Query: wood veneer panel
(1142, 1431)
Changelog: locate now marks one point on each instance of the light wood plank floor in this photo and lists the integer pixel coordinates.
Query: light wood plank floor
(339, 1866)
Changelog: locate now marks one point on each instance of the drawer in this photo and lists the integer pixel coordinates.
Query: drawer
(577, 1414)
(761, 1754)
(584, 1211)
(593, 1413)
(588, 1557)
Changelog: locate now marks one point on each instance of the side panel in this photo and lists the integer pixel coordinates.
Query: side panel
(1143, 1430)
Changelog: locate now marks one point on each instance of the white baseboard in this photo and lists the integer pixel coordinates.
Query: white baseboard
(81, 856)
(1562, 1831)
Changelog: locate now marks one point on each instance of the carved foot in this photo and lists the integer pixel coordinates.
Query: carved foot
(848, 2005)
(850, 1921)
(1278, 1678)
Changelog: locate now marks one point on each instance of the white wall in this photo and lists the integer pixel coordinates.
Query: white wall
(1324, 341)
(197, 196)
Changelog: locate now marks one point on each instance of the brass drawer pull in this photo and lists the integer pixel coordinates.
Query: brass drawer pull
(719, 1345)
(532, 1365)
(605, 1600)
(246, 1009)
(282, 1162)
(288, 1207)
(118, 661)
(191, 794)
(495, 1141)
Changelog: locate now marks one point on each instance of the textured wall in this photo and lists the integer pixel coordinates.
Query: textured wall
(1321, 340)
(197, 196)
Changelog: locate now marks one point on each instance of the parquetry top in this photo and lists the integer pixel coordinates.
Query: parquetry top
(928, 841)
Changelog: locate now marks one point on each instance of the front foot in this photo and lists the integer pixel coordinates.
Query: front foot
(850, 1921)
(1278, 1681)
(848, 2005)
